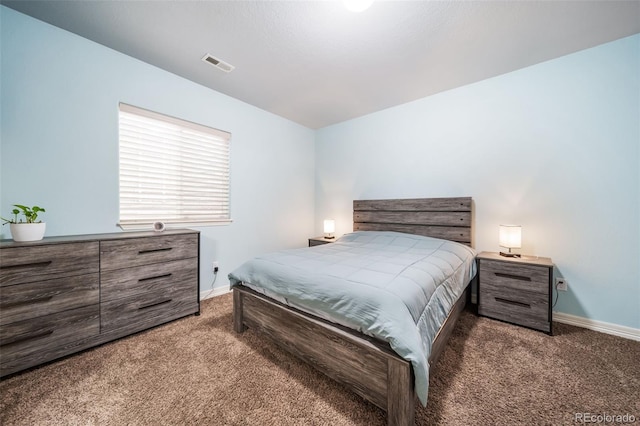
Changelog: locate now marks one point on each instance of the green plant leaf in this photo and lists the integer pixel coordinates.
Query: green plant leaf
(30, 213)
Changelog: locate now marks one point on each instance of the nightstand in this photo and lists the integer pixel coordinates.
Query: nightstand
(516, 290)
(318, 241)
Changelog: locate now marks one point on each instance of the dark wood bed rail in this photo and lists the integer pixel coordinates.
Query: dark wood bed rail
(368, 367)
(365, 365)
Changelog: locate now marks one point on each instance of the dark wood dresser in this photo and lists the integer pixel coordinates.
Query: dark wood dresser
(65, 294)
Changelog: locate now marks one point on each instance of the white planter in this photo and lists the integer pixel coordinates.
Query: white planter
(27, 231)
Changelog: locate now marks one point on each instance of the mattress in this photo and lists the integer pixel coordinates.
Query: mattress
(395, 287)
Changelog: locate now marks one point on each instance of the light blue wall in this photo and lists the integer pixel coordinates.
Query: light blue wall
(59, 147)
(553, 147)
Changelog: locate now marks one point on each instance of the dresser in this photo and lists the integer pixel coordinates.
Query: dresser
(516, 290)
(62, 295)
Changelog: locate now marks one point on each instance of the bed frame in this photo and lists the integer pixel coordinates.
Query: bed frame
(365, 365)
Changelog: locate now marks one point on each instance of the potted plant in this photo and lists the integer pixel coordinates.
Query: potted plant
(28, 229)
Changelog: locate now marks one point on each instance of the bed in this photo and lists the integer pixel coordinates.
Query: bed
(352, 354)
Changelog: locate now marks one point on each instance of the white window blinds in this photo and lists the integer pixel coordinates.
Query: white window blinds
(171, 170)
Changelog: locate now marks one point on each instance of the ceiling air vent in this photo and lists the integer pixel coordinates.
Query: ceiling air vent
(218, 63)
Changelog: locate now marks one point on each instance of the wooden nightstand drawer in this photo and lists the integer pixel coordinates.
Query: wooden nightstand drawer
(318, 241)
(501, 275)
(520, 307)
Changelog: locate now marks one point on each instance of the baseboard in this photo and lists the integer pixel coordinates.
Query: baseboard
(217, 291)
(601, 326)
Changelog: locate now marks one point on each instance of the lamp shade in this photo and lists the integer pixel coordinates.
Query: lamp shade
(357, 5)
(329, 226)
(511, 236)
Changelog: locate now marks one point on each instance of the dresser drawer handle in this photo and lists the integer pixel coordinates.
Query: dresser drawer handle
(151, 305)
(512, 302)
(154, 250)
(513, 277)
(154, 278)
(27, 302)
(19, 339)
(26, 265)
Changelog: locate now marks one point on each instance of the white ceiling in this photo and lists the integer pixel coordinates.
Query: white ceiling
(317, 64)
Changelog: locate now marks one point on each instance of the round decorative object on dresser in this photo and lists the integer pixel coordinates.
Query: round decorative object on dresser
(22, 232)
(158, 226)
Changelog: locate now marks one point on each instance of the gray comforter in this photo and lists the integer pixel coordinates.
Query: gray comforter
(396, 287)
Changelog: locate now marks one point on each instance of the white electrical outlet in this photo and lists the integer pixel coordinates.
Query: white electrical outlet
(562, 284)
(215, 266)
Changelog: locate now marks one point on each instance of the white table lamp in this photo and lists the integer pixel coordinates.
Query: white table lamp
(510, 237)
(329, 228)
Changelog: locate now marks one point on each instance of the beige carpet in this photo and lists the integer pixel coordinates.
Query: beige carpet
(198, 371)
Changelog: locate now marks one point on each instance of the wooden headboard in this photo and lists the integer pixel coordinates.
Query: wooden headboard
(446, 218)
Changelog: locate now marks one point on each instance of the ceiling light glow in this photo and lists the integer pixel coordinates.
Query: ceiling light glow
(357, 5)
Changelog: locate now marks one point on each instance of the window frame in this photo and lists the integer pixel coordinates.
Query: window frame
(220, 153)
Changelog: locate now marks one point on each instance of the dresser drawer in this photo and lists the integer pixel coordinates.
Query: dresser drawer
(132, 252)
(27, 343)
(520, 307)
(150, 279)
(501, 275)
(147, 310)
(28, 264)
(30, 300)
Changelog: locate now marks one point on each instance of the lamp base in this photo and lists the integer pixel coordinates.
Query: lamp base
(509, 254)
(329, 238)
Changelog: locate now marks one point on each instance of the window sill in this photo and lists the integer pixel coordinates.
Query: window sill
(171, 225)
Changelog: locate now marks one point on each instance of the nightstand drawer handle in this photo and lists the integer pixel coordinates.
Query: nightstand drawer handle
(512, 302)
(513, 277)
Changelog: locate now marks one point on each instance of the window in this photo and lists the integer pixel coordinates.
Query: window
(171, 170)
